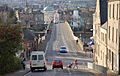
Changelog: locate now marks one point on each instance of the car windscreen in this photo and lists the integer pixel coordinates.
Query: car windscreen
(34, 57)
(40, 57)
(63, 47)
(58, 61)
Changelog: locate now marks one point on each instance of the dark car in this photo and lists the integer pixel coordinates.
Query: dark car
(57, 63)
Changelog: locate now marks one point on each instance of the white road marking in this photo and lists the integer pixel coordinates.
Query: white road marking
(69, 71)
(21, 70)
(59, 69)
(27, 73)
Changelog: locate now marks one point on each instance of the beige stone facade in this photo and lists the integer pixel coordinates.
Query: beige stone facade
(101, 45)
(48, 16)
(113, 34)
(107, 39)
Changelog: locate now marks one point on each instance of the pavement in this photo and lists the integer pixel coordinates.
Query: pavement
(18, 73)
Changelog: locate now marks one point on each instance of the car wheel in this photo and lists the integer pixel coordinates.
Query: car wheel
(45, 68)
(61, 67)
(32, 70)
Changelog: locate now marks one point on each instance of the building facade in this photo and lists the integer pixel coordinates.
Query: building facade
(107, 34)
(100, 28)
(113, 34)
(48, 14)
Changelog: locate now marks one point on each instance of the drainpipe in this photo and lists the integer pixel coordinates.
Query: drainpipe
(106, 48)
(119, 41)
(119, 48)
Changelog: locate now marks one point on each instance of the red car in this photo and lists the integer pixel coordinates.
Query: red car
(57, 63)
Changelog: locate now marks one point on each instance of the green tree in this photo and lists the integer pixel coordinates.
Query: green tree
(10, 39)
(11, 17)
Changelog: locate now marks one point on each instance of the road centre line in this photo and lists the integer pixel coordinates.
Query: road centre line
(69, 72)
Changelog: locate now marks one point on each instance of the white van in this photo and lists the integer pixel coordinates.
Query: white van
(37, 60)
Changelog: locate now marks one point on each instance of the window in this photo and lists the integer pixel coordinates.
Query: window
(40, 57)
(117, 12)
(116, 35)
(109, 32)
(34, 57)
(110, 11)
(115, 60)
(112, 33)
(113, 10)
(98, 51)
(109, 55)
(101, 35)
(57, 61)
(112, 59)
(105, 38)
(101, 54)
(103, 57)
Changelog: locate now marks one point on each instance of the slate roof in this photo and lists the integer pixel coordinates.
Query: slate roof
(103, 11)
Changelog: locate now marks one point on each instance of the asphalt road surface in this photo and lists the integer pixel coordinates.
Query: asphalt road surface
(62, 36)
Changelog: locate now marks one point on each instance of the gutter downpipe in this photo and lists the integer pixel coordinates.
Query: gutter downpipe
(119, 41)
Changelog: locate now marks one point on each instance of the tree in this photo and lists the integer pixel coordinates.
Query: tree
(11, 18)
(10, 39)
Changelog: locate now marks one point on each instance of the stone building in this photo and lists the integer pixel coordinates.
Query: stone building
(106, 34)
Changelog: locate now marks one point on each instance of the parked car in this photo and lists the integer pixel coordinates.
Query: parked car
(37, 60)
(63, 49)
(57, 63)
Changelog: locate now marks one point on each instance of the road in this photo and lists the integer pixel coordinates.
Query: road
(62, 36)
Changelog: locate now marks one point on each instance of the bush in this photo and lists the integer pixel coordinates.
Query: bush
(9, 63)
